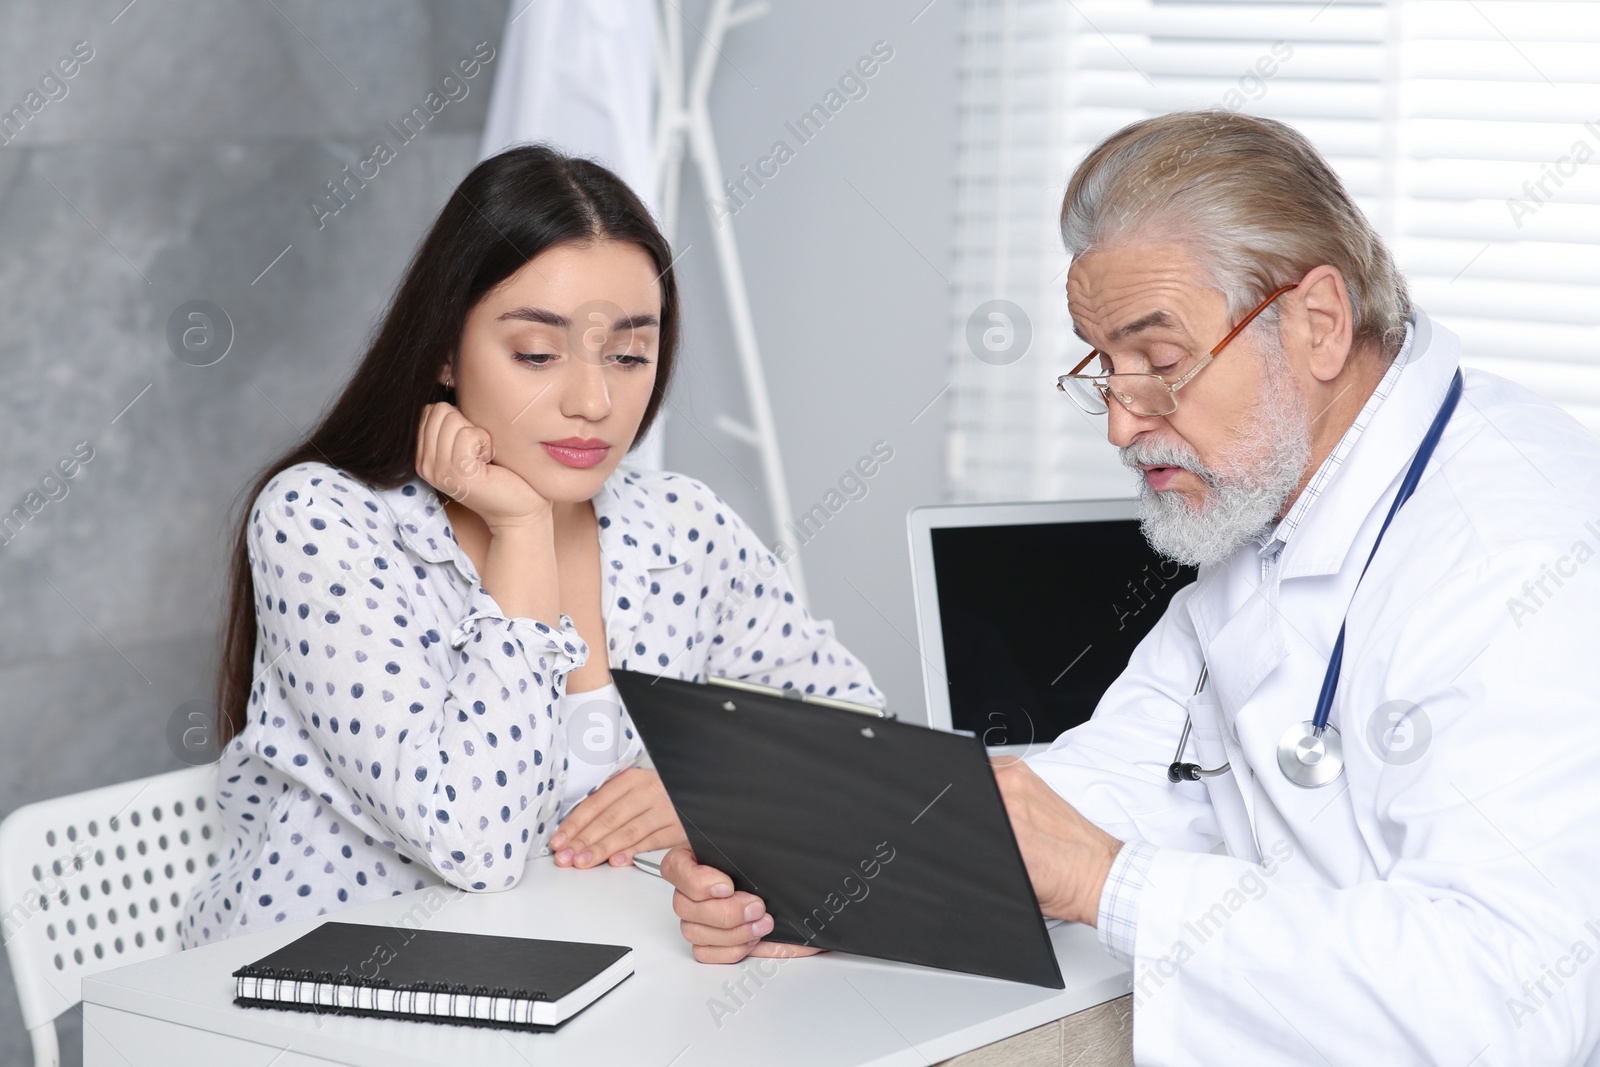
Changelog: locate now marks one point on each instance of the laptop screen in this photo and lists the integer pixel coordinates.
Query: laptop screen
(1039, 619)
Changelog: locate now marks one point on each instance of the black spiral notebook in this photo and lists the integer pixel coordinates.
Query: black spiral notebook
(394, 972)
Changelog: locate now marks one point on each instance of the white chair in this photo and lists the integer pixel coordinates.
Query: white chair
(97, 880)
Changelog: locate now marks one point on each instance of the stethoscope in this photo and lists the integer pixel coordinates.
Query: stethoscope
(1310, 753)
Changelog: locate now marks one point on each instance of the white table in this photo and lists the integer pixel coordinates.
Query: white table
(827, 1009)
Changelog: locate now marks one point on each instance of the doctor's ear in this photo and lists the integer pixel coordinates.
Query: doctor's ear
(1327, 322)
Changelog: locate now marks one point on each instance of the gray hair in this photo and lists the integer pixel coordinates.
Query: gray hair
(1252, 199)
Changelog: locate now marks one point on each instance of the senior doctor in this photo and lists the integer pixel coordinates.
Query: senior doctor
(1415, 878)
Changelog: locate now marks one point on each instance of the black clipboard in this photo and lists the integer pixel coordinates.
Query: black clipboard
(862, 834)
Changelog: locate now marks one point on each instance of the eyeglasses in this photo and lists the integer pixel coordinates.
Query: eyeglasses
(1146, 395)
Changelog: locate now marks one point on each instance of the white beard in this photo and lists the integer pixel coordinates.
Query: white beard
(1246, 490)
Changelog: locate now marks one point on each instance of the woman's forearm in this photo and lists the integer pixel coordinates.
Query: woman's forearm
(413, 701)
(519, 571)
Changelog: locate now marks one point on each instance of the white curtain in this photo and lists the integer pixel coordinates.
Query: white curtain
(581, 75)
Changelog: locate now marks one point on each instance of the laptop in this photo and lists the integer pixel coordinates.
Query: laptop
(1027, 612)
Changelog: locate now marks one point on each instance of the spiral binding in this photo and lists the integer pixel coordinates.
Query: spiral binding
(406, 996)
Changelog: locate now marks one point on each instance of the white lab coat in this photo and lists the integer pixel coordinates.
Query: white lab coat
(1395, 915)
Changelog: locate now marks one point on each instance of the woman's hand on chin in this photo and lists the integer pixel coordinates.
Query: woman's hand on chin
(457, 458)
(629, 813)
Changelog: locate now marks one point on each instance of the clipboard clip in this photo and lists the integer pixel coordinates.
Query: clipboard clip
(795, 694)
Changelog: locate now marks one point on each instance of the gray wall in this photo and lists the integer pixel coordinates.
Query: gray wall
(179, 165)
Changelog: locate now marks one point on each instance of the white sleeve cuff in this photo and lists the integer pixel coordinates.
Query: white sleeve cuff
(1118, 916)
(566, 650)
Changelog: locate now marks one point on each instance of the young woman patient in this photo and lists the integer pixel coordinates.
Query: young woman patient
(429, 592)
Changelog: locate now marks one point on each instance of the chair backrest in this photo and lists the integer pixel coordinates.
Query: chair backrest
(98, 879)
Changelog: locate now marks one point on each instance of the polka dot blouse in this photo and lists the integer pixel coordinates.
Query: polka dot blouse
(402, 732)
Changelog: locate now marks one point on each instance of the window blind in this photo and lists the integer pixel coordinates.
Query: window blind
(1469, 132)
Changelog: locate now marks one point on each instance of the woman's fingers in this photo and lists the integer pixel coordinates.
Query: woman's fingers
(615, 832)
(469, 452)
(458, 457)
(425, 441)
(589, 809)
(450, 450)
(666, 837)
(433, 440)
(628, 795)
(422, 437)
(635, 835)
(608, 809)
(663, 831)
(636, 829)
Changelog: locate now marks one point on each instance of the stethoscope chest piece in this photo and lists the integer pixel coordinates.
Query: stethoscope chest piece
(1311, 757)
(1310, 754)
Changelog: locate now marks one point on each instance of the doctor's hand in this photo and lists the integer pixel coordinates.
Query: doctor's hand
(629, 813)
(1067, 856)
(724, 926)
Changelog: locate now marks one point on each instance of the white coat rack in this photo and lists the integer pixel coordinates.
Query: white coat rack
(683, 122)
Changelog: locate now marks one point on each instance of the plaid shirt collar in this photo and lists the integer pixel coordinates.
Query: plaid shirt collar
(1273, 541)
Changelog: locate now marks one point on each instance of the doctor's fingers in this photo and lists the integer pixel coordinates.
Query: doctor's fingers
(782, 950)
(693, 879)
(718, 954)
(701, 935)
(739, 910)
(765, 949)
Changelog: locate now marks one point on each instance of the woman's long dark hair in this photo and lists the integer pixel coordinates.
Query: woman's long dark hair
(508, 210)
